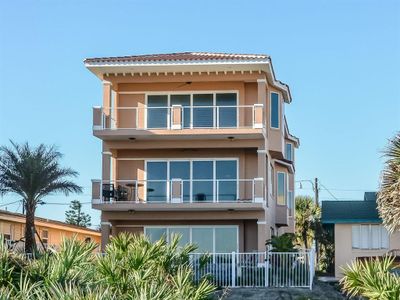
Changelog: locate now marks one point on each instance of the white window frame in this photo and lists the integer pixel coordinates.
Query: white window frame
(270, 111)
(291, 151)
(285, 188)
(191, 93)
(168, 227)
(358, 226)
(191, 160)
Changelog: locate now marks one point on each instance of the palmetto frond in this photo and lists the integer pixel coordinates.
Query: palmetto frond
(389, 194)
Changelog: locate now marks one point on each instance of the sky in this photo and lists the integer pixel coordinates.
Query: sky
(341, 59)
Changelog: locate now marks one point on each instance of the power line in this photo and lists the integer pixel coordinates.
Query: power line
(329, 192)
(10, 203)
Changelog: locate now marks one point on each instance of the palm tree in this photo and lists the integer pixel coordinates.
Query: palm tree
(307, 218)
(33, 173)
(389, 194)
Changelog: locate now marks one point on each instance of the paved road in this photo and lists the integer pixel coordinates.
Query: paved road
(321, 291)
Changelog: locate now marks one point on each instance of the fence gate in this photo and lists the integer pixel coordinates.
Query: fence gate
(256, 269)
(290, 269)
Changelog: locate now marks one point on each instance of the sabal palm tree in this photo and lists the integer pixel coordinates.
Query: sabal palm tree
(307, 216)
(389, 194)
(33, 173)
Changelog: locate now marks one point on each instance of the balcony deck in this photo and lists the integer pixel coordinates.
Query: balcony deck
(211, 122)
(147, 195)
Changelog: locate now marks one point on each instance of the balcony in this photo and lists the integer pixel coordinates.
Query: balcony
(246, 121)
(178, 194)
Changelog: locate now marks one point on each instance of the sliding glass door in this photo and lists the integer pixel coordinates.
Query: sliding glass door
(199, 110)
(181, 170)
(157, 111)
(202, 180)
(226, 175)
(157, 176)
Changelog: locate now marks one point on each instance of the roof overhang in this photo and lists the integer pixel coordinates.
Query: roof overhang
(291, 137)
(288, 165)
(101, 68)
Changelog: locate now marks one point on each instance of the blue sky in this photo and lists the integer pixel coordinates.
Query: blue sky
(341, 59)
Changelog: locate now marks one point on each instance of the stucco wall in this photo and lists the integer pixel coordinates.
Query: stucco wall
(345, 254)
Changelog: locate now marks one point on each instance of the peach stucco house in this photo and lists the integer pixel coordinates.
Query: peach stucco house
(196, 144)
(358, 231)
(49, 232)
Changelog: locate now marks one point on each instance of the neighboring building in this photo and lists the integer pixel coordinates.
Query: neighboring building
(358, 230)
(196, 144)
(51, 232)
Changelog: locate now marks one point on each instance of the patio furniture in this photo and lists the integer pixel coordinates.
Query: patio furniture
(108, 192)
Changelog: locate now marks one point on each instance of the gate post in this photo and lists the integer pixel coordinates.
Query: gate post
(233, 269)
(311, 266)
(266, 267)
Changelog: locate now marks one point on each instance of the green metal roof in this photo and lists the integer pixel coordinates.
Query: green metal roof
(350, 211)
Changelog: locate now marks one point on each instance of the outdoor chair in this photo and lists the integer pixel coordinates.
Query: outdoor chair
(108, 192)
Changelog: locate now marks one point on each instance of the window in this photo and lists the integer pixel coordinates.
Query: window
(281, 188)
(289, 151)
(203, 238)
(157, 111)
(370, 237)
(225, 239)
(202, 180)
(44, 236)
(274, 110)
(206, 110)
(155, 233)
(291, 204)
(183, 232)
(214, 239)
(157, 181)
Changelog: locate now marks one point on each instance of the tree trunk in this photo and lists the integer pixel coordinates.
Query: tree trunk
(305, 239)
(30, 243)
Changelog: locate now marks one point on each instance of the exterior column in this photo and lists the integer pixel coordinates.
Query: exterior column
(105, 234)
(261, 169)
(262, 98)
(106, 165)
(261, 235)
(107, 104)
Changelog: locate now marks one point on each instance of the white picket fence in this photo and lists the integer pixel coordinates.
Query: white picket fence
(258, 269)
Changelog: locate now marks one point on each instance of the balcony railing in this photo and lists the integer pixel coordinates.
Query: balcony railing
(179, 117)
(178, 191)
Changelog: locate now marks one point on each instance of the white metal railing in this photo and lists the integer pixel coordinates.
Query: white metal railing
(179, 117)
(257, 269)
(291, 269)
(178, 191)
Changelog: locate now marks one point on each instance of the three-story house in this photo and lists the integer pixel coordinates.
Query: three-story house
(195, 144)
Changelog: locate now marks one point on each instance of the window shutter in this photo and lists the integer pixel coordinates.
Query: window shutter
(375, 236)
(385, 238)
(355, 236)
(364, 237)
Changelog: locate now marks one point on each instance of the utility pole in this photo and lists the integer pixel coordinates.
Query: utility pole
(316, 191)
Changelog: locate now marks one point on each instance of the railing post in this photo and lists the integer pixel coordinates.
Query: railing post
(176, 117)
(311, 267)
(258, 188)
(258, 115)
(233, 269)
(266, 275)
(176, 190)
(98, 121)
